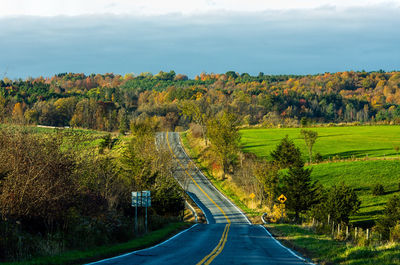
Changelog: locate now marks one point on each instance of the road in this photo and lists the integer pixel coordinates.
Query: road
(227, 238)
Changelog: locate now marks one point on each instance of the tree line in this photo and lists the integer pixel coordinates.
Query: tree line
(110, 101)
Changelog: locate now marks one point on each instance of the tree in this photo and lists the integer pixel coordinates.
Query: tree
(38, 182)
(225, 139)
(123, 122)
(287, 154)
(309, 138)
(197, 112)
(18, 113)
(342, 201)
(378, 189)
(299, 189)
(266, 174)
(391, 216)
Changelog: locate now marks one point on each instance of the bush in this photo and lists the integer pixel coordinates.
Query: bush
(395, 232)
(196, 130)
(378, 190)
(390, 218)
(318, 157)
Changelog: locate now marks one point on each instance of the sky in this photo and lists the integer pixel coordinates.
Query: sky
(46, 37)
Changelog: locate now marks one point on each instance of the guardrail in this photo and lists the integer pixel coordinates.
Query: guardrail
(190, 207)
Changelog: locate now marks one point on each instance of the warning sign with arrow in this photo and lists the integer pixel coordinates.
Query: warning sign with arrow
(282, 198)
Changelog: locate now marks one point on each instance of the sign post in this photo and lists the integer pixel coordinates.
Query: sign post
(282, 199)
(141, 199)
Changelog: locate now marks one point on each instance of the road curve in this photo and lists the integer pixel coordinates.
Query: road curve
(227, 238)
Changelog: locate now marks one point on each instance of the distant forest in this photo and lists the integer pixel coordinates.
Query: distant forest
(110, 102)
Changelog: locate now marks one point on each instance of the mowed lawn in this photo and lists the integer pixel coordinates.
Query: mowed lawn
(362, 176)
(344, 142)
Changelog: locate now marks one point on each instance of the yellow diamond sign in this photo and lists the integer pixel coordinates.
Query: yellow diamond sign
(252, 195)
(282, 198)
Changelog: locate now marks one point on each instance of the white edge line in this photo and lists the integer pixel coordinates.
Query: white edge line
(279, 243)
(237, 208)
(288, 249)
(145, 249)
(204, 213)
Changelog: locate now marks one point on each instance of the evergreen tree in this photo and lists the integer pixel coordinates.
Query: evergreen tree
(342, 201)
(299, 189)
(287, 154)
(391, 217)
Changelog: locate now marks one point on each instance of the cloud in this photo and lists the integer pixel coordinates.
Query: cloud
(162, 7)
(277, 42)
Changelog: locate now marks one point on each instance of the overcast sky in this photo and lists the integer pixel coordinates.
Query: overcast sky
(275, 37)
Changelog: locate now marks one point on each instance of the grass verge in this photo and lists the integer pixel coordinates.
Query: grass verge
(102, 252)
(324, 250)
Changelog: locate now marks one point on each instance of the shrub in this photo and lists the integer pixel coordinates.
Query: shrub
(318, 157)
(395, 232)
(378, 190)
(196, 130)
(390, 218)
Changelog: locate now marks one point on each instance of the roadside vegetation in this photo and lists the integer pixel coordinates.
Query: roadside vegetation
(69, 191)
(338, 211)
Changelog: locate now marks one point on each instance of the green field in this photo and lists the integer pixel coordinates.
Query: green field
(362, 175)
(344, 142)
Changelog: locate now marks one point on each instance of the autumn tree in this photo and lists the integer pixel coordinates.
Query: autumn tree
(266, 174)
(197, 111)
(224, 136)
(38, 179)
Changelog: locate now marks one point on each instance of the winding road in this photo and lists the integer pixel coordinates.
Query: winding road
(227, 238)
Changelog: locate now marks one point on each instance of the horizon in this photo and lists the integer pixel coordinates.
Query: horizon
(135, 75)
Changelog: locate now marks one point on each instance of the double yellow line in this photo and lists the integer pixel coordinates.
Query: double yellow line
(210, 257)
(221, 244)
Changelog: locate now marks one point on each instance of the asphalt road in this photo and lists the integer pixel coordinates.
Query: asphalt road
(227, 238)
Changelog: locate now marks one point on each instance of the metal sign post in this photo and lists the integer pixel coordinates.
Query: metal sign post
(141, 199)
(282, 199)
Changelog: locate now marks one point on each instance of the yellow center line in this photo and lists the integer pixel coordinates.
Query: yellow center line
(220, 248)
(221, 244)
(198, 186)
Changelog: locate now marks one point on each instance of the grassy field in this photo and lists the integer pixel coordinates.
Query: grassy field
(362, 175)
(344, 142)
